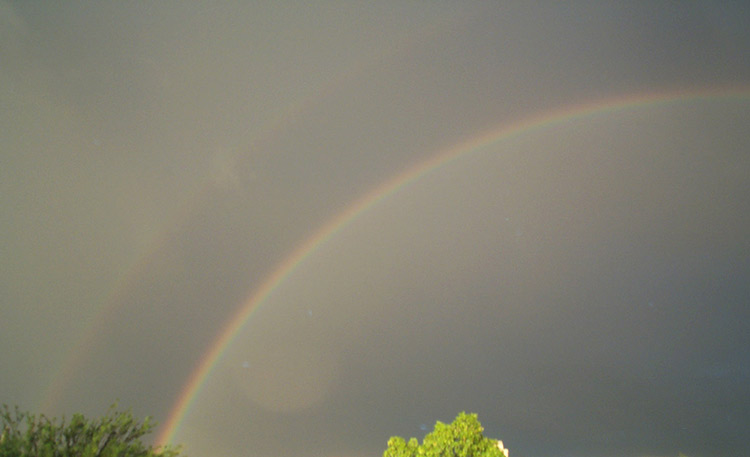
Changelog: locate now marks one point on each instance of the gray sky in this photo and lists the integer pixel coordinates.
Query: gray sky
(584, 287)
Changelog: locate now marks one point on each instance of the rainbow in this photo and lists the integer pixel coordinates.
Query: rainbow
(75, 359)
(385, 190)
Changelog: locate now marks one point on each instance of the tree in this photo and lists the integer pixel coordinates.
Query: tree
(116, 434)
(462, 438)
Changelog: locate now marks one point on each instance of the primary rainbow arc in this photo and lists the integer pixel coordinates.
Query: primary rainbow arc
(206, 364)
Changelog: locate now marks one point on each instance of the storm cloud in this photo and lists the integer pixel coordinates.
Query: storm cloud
(582, 283)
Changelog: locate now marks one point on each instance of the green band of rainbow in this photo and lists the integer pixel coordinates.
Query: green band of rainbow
(206, 364)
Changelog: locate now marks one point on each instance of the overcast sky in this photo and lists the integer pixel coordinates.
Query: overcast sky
(584, 286)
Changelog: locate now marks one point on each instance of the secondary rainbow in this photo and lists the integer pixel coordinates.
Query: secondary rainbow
(76, 356)
(546, 119)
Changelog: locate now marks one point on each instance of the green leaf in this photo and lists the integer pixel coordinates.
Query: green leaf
(462, 438)
(117, 434)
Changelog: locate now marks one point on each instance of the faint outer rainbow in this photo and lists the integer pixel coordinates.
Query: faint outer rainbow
(328, 230)
(75, 359)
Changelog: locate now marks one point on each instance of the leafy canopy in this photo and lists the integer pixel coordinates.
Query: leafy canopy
(116, 434)
(462, 438)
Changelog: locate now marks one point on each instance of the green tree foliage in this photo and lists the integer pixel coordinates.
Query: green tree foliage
(116, 434)
(462, 438)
